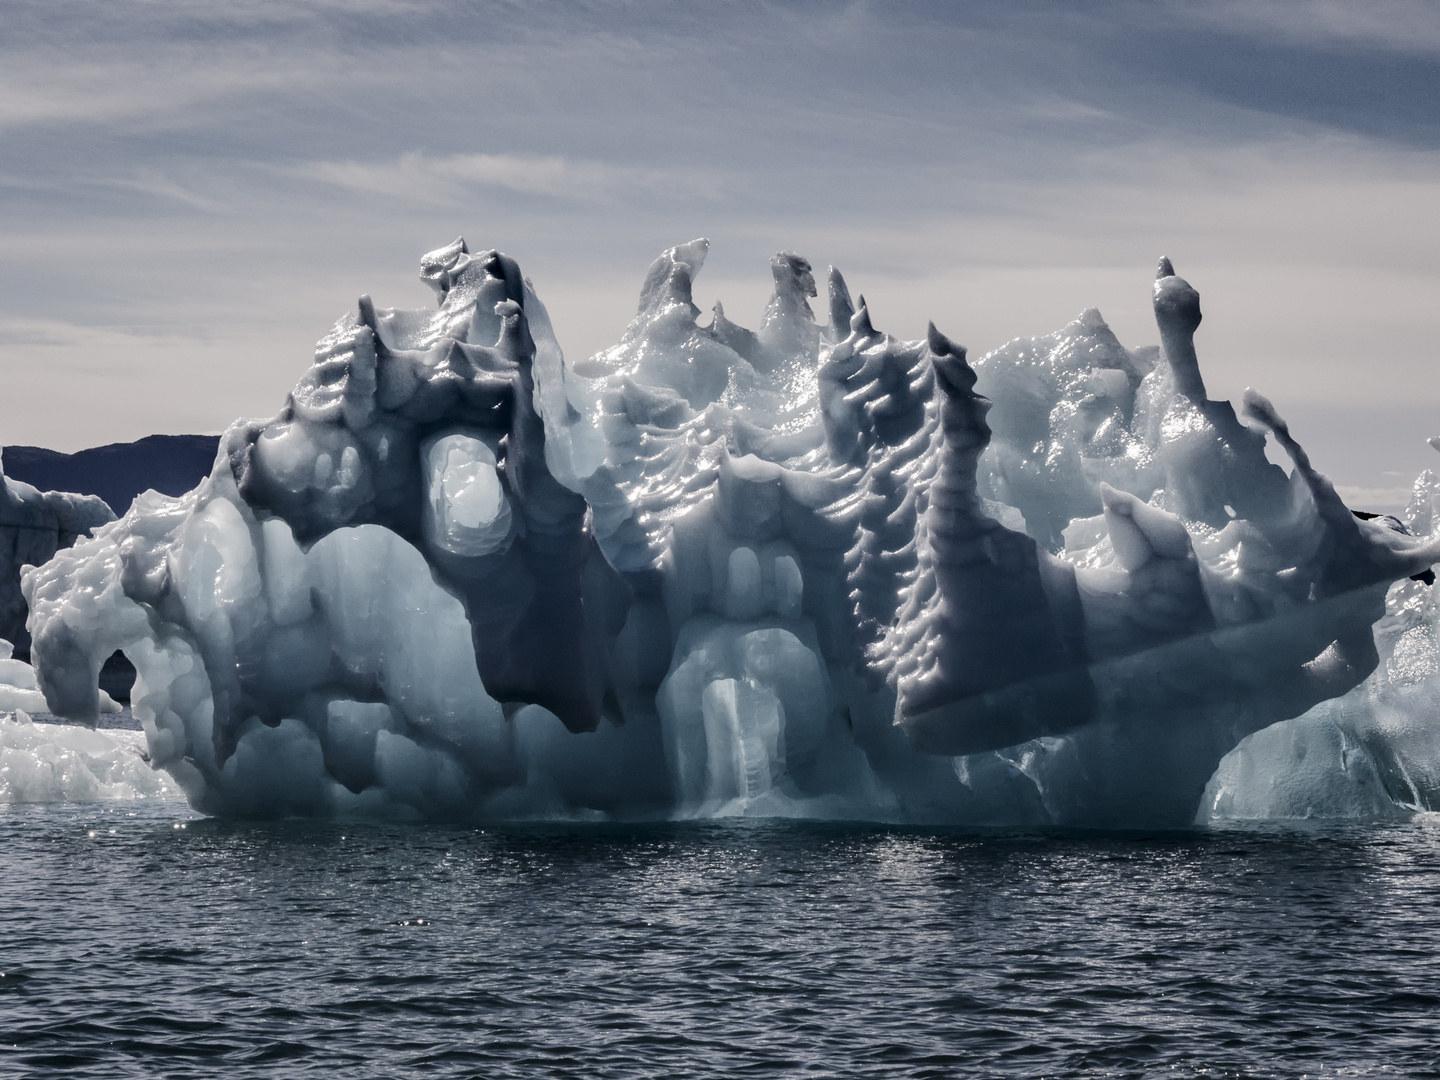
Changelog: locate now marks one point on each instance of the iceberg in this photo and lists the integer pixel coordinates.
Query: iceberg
(34, 525)
(65, 762)
(48, 763)
(807, 570)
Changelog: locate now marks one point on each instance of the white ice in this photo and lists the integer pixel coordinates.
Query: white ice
(46, 763)
(66, 762)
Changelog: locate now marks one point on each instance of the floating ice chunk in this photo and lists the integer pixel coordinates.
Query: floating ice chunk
(43, 763)
(21, 697)
(15, 673)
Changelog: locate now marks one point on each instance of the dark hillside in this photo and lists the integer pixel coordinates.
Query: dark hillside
(171, 464)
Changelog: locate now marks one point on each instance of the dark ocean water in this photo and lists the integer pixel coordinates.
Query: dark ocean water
(141, 941)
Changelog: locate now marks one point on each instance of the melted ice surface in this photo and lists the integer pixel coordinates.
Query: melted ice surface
(808, 570)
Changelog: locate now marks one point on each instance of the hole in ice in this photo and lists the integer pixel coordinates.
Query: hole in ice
(117, 676)
(473, 489)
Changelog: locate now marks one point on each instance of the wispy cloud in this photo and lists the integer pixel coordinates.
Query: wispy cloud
(46, 90)
(994, 165)
(452, 178)
(1402, 26)
(153, 182)
(71, 336)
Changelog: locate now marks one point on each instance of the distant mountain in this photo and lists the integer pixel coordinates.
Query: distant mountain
(171, 464)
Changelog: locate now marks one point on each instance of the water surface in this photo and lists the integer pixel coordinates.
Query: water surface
(138, 940)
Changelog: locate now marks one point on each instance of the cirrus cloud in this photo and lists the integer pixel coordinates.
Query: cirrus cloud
(450, 178)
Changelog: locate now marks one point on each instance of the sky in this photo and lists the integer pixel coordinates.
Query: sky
(191, 193)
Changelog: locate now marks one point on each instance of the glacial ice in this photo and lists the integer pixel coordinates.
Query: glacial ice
(1372, 752)
(48, 763)
(33, 526)
(808, 570)
(18, 686)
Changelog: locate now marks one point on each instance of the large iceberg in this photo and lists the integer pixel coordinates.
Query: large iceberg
(806, 570)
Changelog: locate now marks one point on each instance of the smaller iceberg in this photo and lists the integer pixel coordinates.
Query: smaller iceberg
(44, 763)
(19, 689)
(48, 763)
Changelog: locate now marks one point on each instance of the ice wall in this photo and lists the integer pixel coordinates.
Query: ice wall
(33, 526)
(810, 570)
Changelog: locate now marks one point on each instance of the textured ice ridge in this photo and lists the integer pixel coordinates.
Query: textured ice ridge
(805, 570)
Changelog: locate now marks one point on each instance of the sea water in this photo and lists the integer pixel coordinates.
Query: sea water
(137, 939)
